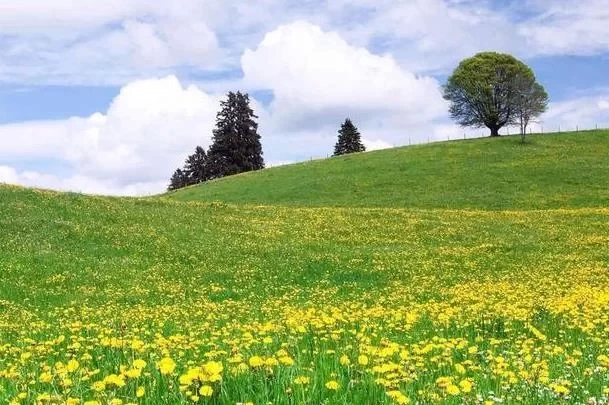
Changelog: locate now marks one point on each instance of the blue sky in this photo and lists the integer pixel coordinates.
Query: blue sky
(109, 97)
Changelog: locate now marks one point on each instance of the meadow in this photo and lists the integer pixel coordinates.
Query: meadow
(566, 170)
(152, 300)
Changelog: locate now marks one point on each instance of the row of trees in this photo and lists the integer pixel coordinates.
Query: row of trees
(494, 90)
(235, 147)
(489, 89)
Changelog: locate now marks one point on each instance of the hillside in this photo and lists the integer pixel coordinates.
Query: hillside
(153, 300)
(551, 171)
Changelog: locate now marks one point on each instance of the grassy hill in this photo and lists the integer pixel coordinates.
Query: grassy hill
(551, 171)
(154, 300)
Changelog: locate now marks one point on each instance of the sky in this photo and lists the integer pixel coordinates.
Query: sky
(109, 97)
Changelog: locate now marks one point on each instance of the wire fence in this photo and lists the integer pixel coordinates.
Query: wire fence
(535, 129)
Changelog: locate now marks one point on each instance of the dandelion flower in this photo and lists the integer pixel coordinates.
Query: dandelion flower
(332, 385)
(206, 391)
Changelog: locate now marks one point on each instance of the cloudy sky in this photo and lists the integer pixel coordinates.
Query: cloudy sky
(110, 96)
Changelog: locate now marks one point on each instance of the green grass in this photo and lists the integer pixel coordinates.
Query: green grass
(509, 299)
(549, 171)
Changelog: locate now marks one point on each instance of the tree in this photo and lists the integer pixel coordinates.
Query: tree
(349, 139)
(178, 180)
(484, 90)
(236, 146)
(531, 102)
(195, 167)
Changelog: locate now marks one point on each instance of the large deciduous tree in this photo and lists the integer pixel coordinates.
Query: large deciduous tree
(349, 139)
(236, 146)
(486, 91)
(531, 102)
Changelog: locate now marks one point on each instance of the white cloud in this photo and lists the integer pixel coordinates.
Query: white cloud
(433, 35)
(318, 79)
(76, 183)
(376, 144)
(116, 41)
(144, 135)
(567, 27)
(8, 175)
(92, 42)
(586, 112)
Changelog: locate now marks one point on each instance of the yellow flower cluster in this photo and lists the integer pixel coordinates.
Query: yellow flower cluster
(289, 305)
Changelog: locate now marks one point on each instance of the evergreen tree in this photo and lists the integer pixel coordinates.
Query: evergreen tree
(349, 139)
(236, 143)
(178, 180)
(195, 167)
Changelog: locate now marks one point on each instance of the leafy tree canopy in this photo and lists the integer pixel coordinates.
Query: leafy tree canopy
(484, 90)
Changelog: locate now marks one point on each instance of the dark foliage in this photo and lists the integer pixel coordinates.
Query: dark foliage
(349, 139)
(178, 180)
(236, 146)
(196, 166)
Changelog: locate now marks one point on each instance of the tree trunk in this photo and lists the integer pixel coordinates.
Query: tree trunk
(494, 131)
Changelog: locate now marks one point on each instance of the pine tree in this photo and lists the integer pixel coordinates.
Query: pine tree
(349, 139)
(178, 180)
(195, 167)
(236, 143)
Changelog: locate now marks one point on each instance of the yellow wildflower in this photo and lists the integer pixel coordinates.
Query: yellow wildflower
(332, 385)
(206, 391)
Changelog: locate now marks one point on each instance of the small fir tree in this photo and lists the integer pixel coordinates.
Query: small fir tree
(195, 167)
(178, 180)
(349, 140)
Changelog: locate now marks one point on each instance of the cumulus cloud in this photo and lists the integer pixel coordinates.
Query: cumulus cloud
(376, 144)
(132, 147)
(76, 183)
(92, 42)
(566, 27)
(95, 42)
(8, 175)
(318, 79)
(586, 112)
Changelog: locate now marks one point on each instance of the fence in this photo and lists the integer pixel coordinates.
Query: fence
(535, 129)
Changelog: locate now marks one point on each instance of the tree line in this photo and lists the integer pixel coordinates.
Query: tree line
(489, 90)
(236, 146)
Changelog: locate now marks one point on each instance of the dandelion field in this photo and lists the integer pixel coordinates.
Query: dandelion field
(151, 301)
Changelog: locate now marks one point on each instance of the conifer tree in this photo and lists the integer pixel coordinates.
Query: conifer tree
(349, 139)
(178, 180)
(236, 143)
(195, 167)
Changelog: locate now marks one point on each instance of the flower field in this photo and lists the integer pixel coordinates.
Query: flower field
(150, 301)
